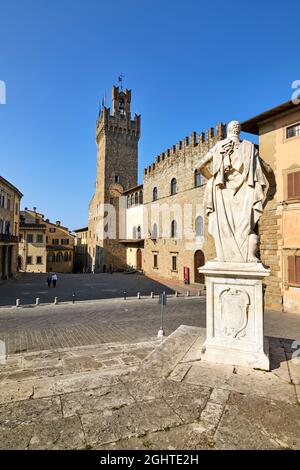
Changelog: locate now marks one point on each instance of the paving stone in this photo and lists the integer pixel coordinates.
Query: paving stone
(14, 391)
(29, 411)
(194, 353)
(186, 436)
(161, 362)
(209, 374)
(180, 372)
(259, 423)
(211, 415)
(133, 420)
(188, 404)
(95, 400)
(59, 434)
(80, 363)
(74, 383)
(264, 384)
(219, 395)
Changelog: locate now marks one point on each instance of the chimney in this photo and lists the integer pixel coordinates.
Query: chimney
(34, 209)
(58, 223)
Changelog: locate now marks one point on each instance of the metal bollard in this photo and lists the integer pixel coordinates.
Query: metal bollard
(152, 295)
(18, 303)
(176, 294)
(199, 293)
(188, 293)
(55, 300)
(73, 298)
(138, 295)
(125, 295)
(37, 301)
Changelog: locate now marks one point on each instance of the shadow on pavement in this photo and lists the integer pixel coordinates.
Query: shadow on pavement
(85, 287)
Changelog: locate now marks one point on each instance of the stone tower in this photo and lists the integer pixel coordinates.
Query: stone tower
(117, 137)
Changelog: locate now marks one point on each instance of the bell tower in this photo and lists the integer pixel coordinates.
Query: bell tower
(117, 137)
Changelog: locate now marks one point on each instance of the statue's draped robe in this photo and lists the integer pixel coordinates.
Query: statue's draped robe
(234, 200)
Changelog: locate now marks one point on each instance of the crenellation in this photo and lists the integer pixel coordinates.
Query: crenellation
(203, 142)
(193, 139)
(201, 138)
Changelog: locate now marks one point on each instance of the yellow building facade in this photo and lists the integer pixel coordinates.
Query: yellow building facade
(32, 247)
(55, 246)
(279, 145)
(10, 198)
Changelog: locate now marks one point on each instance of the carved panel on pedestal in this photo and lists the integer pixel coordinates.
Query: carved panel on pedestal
(234, 312)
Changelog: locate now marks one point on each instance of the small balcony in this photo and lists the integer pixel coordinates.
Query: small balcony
(4, 238)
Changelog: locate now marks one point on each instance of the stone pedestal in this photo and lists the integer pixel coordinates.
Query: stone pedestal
(235, 314)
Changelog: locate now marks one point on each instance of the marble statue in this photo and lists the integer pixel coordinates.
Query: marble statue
(239, 184)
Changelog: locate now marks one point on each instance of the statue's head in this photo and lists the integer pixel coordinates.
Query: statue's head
(233, 129)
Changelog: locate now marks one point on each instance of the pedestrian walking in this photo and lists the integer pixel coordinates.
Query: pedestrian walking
(54, 279)
(49, 280)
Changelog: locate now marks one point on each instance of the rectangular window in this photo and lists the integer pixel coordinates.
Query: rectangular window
(155, 261)
(293, 184)
(55, 241)
(39, 238)
(117, 179)
(294, 269)
(64, 241)
(29, 238)
(8, 204)
(52, 230)
(29, 259)
(293, 131)
(39, 260)
(174, 263)
(2, 201)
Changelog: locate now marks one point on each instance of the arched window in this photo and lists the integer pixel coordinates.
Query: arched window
(174, 229)
(128, 201)
(173, 186)
(136, 198)
(51, 258)
(154, 232)
(134, 233)
(132, 200)
(141, 197)
(59, 257)
(139, 232)
(70, 256)
(66, 256)
(199, 226)
(1, 226)
(154, 194)
(198, 179)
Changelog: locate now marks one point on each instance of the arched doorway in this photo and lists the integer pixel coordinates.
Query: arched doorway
(199, 260)
(20, 263)
(139, 259)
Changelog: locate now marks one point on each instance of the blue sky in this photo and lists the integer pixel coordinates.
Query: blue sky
(190, 64)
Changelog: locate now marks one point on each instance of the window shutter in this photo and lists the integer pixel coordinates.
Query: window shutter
(290, 185)
(294, 185)
(291, 269)
(297, 184)
(297, 269)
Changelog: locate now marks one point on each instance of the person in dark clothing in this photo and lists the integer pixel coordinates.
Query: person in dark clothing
(49, 280)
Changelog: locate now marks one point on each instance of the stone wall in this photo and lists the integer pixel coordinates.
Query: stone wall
(180, 162)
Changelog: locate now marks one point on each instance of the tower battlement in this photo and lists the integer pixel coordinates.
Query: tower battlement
(203, 141)
(117, 120)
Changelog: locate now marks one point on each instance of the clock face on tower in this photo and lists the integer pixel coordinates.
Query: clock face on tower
(115, 190)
